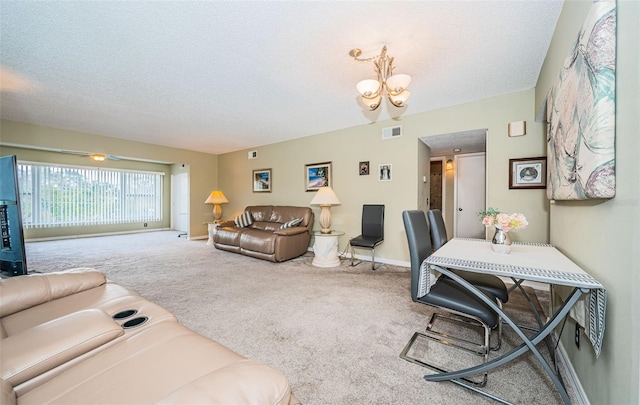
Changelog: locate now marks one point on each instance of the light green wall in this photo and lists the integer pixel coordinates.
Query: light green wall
(32, 155)
(203, 168)
(602, 235)
(346, 148)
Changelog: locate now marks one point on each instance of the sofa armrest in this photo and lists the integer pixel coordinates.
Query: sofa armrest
(228, 223)
(22, 292)
(242, 382)
(46, 346)
(291, 231)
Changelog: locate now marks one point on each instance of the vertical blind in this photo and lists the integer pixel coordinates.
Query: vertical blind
(57, 196)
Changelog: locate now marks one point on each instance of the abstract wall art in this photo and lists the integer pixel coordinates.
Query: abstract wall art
(581, 113)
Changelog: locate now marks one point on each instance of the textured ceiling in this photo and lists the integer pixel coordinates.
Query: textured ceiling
(463, 142)
(218, 76)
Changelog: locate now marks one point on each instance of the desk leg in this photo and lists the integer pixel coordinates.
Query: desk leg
(529, 344)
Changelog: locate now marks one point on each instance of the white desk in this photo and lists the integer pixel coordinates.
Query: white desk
(536, 262)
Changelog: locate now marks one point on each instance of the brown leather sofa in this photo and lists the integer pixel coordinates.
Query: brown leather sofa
(74, 337)
(263, 239)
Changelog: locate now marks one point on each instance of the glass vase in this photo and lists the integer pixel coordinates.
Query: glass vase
(501, 242)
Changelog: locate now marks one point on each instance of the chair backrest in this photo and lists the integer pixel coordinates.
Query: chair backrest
(415, 225)
(373, 220)
(438, 230)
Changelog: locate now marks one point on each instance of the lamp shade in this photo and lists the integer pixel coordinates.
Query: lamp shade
(372, 103)
(325, 196)
(216, 197)
(449, 165)
(368, 88)
(397, 83)
(400, 99)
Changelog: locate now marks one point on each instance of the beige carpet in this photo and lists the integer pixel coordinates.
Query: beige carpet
(336, 333)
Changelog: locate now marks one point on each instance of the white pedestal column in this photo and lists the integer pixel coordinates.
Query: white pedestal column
(325, 248)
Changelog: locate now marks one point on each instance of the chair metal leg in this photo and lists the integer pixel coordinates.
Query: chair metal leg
(373, 259)
(452, 341)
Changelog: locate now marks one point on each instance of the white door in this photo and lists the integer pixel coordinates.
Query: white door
(180, 202)
(469, 193)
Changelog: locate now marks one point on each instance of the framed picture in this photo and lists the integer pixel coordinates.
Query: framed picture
(262, 181)
(364, 168)
(528, 173)
(384, 172)
(317, 175)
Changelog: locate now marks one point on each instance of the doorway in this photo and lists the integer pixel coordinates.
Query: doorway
(444, 148)
(436, 184)
(180, 199)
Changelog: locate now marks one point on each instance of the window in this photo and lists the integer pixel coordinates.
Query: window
(57, 196)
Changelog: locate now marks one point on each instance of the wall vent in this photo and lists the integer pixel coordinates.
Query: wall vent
(391, 132)
(252, 154)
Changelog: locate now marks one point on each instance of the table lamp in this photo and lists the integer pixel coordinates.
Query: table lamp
(325, 198)
(216, 198)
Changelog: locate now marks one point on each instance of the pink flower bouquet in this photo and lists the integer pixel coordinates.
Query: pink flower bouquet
(504, 221)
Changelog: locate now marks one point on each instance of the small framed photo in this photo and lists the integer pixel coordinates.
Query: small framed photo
(262, 181)
(364, 168)
(528, 173)
(384, 172)
(317, 175)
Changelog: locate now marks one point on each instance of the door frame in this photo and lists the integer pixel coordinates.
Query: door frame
(455, 185)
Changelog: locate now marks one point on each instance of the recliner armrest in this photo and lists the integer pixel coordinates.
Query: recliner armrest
(291, 231)
(39, 349)
(242, 382)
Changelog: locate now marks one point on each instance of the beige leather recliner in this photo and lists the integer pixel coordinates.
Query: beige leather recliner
(74, 337)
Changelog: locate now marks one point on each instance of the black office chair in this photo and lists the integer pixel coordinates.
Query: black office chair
(444, 294)
(372, 232)
(485, 282)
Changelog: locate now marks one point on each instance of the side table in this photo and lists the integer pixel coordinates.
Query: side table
(211, 226)
(325, 247)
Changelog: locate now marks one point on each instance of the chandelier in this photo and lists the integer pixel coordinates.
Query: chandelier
(394, 85)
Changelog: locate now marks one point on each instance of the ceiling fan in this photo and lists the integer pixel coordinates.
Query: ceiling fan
(98, 157)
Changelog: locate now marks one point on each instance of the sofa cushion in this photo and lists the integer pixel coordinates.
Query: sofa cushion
(43, 347)
(260, 212)
(282, 214)
(243, 220)
(266, 226)
(228, 235)
(258, 241)
(19, 293)
(156, 364)
(291, 224)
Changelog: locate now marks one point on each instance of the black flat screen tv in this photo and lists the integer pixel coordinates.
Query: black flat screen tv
(13, 259)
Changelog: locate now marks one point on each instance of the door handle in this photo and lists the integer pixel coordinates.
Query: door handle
(459, 209)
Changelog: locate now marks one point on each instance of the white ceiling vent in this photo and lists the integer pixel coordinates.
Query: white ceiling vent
(252, 154)
(391, 132)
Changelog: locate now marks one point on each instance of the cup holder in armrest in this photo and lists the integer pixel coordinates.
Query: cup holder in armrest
(132, 323)
(125, 314)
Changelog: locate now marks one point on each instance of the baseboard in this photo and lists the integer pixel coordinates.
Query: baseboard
(570, 377)
(93, 235)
